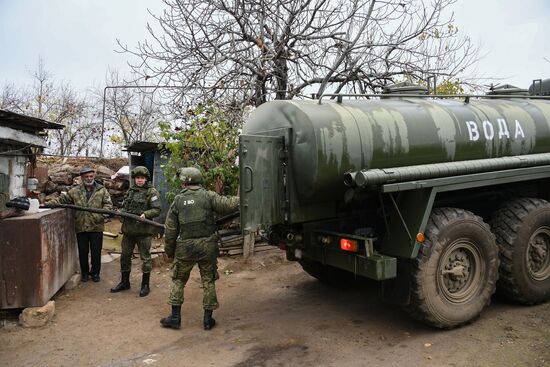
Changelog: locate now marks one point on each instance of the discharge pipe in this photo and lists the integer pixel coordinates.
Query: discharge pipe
(368, 177)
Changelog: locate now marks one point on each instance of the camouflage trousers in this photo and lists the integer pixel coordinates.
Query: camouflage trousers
(144, 246)
(201, 251)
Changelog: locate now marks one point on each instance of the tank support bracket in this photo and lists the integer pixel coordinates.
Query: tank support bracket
(410, 216)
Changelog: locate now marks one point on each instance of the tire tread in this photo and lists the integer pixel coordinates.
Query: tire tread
(439, 219)
(506, 223)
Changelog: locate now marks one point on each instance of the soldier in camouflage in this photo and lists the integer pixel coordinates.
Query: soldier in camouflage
(190, 237)
(89, 226)
(144, 200)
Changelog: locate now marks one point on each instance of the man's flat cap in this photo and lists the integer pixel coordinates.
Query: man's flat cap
(85, 170)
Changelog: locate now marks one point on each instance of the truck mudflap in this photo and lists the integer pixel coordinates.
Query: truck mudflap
(261, 181)
(351, 253)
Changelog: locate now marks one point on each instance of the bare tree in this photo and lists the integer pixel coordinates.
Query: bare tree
(81, 128)
(55, 102)
(11, 98)
(131, 113)
(43, 90)
(249, 51)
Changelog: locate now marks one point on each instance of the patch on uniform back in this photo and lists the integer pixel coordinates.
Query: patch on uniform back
(154, 198)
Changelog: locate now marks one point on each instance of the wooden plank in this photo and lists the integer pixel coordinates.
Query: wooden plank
(240, 251)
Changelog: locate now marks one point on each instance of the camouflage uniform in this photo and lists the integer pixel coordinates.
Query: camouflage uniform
(86, 221)
(190, 238)
(89, 226)
(144, 201)
(139, 200)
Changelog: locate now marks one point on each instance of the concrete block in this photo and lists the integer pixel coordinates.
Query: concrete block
(37, 316)
(107, 258)
(72, 282)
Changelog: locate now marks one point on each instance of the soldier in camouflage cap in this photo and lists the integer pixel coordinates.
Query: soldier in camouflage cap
(144, 200)
(190, 237)
(89, 226)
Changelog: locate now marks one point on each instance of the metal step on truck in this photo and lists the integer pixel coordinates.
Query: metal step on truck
(442, 199)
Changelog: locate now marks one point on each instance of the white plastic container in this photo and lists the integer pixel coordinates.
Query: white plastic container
(32, 183)
(34, 206)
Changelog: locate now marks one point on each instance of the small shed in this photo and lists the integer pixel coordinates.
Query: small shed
(21, 138)
(151, 155)
(37, 251)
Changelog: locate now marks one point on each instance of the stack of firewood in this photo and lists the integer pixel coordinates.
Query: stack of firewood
(231, 243)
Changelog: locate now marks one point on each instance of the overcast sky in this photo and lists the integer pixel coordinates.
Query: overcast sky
(77, 38)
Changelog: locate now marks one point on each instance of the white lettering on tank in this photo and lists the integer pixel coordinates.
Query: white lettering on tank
(519, 130)
(503, 129)
(188, 202)
(488, 130)
(472, 130)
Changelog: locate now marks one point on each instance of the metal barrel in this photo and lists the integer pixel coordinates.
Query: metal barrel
(366, 178)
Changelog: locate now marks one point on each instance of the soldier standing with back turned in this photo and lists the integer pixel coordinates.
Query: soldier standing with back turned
(190, 237)
(144, 200)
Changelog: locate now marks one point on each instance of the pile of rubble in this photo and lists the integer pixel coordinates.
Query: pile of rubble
(57, 177)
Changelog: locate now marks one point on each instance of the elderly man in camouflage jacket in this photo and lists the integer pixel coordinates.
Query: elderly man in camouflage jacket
(190, 237)
(89, 226)
(144, 200)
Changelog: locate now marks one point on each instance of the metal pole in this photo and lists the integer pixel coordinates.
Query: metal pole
(103, 123)
(122, 87)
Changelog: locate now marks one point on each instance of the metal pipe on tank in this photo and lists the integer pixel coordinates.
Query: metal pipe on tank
(367, 177)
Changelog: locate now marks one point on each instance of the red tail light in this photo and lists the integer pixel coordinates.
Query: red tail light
(348, 245)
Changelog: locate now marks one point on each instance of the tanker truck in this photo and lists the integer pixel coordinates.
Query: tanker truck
(441, 199)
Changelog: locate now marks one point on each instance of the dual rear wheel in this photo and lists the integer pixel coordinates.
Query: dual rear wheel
(522, 229)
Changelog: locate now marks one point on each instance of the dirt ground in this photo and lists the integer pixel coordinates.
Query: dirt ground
(271, 314)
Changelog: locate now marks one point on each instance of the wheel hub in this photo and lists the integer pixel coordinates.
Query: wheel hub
(538, 257)
(459, 271)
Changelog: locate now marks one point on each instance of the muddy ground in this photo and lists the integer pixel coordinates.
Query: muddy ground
(272, 314)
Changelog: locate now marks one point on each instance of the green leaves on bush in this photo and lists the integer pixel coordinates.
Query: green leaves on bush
(208, 141)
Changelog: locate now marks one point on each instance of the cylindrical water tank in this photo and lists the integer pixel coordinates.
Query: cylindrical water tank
(329, 139)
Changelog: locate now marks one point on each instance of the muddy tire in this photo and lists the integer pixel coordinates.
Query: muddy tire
(455, 272)
(522, 229)
(325, 273)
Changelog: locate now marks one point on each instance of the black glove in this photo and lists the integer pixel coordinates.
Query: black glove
(19, 203)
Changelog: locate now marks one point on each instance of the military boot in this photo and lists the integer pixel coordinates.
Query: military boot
(144, 285)
(174, 320)
(124, 283)
(208, 321)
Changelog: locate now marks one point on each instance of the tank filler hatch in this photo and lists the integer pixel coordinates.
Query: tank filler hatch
(507, 90)
(405, 88)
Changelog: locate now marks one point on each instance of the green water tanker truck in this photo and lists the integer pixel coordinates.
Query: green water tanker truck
(441, 199)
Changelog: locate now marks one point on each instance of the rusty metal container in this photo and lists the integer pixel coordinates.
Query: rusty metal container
(38, 254)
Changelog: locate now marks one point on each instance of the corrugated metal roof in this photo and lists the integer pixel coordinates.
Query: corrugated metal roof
(26, 123)
(143, 146)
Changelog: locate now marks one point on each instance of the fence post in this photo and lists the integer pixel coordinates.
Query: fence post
(248, 245)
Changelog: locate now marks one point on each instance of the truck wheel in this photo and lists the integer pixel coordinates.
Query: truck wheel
(522, 229)
(325, 273)
(455, 272)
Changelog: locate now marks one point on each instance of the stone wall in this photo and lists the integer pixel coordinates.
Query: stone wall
(63, 174)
